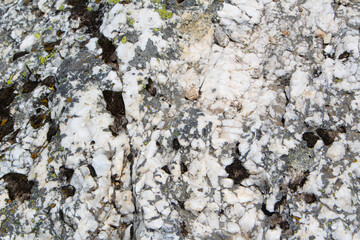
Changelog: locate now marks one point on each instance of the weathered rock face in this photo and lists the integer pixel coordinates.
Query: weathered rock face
(179, 119)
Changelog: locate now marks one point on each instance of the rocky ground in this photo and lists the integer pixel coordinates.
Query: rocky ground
(179, 119)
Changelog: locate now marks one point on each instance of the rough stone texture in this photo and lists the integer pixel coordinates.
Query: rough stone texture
(179, 119)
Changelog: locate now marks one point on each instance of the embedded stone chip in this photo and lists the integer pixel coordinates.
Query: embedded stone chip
(336, 152)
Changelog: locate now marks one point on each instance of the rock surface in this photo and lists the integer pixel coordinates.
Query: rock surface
(179, 119)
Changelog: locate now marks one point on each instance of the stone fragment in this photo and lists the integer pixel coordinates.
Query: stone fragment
(19, 55)
(92, 170)
(309, 198)
(327, 38)
(38, 120)
(233, 227)
(326, 135)
(65, 173)
(195, 204)
(336, 152)
(53, 130)
(320, 33)
(176, 145)
(68, 191)
(344, 56)
(192, 92)
(237, 171)
(50, 46)
(114, 103)
(183, 168)
(29, 86)
(310, 138)
(18, 186)
(298, 181)
(7, 95)
(221, 38)
(150, 87)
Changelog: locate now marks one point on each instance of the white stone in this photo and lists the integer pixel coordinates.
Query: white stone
(154, 224)
(327, 38)
(101, 164)
(28, 42)
(161, 205)
(343, 199)
(336, 152)
(229, 196)
(227, 182)
(340, 233)
(273, 234)
(113, 219)
(149, 212)
(196, 204)
(233, 227)
(238, 210)
(123, 200)
(213, 220)
(245, 195)
(91, 45)
(270, 203)
(299, 81)
(247, 221)
(230, 12)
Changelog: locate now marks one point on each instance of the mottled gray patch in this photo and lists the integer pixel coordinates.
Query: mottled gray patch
(83, 61)
(168, 32)
(172, 53)
(131, 36)
(206, 130)
(301, 159)
(141, 57)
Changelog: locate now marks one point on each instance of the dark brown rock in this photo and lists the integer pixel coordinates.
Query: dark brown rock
(49, 81)
(345, 55)
(53, 130)
(6, 126)
(298, 181)
(237, 172)
(7, 96)
(166, 169)
(92, 170)
(109, 50)
(50, 46)
(327, 136)
(114, 103)
(150, 87)
(309, 198)
(38, 120)
(19, 55)
(183, 168)
(284, 225)
(29, 86)
(65, 173)
(18, 186)
(341, 129)
(310, 138)
(68, 190)
(176, 145)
